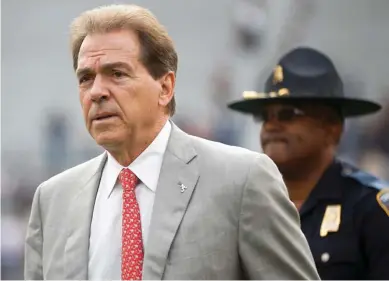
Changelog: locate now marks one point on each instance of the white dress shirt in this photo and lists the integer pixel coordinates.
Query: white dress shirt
(105, 239)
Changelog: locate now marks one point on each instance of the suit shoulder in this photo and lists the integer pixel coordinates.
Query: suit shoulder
(76, 173)
(213, 148)
(232, 158)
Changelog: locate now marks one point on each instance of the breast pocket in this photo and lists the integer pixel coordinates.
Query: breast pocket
(336, 253)
(201, 247)
(337, 257)
(212, 257)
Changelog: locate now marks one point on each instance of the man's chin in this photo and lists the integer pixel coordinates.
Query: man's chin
(279, 161)
(107, 140)
(278, 157)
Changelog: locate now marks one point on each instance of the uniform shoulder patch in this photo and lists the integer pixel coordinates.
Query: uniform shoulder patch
(383, 199)
(364, 178)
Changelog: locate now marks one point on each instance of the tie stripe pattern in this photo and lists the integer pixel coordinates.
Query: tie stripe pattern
(132, 244)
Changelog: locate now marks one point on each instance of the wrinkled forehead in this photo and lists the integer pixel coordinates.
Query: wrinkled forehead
(111, 47)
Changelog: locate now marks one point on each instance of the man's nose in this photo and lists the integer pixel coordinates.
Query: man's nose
(272, 124)
(98, 91)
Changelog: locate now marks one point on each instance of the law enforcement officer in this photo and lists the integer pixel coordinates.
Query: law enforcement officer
(344, 211)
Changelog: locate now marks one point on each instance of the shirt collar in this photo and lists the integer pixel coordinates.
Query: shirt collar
(146, 166)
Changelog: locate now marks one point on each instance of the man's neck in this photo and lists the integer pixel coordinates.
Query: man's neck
(137, 143)
(301, 181)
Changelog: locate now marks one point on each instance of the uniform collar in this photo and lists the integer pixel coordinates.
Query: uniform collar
(328, 188)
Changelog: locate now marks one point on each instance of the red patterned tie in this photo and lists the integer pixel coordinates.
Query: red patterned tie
(132, 245)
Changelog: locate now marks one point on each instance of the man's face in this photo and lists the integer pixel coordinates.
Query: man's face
(291, 133)
(119, 98)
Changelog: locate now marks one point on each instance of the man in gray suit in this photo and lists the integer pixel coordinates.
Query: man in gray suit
(159, 203)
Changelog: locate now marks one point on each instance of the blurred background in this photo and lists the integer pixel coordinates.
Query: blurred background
(224, 47)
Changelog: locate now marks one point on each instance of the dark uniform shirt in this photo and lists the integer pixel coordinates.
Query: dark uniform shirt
(346, 222)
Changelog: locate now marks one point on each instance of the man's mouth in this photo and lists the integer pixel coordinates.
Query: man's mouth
(275, 140)
(104, 117)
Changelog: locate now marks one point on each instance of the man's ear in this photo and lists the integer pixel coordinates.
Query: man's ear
(335, 132)
(168, 82)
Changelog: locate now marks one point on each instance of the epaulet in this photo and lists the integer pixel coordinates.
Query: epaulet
(364, 178)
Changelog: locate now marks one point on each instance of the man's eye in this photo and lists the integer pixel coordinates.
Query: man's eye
(84, 78)
(118, 74)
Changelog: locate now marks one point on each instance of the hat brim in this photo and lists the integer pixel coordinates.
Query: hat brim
(350, 107)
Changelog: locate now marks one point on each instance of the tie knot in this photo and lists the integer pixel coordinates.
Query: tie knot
(128, 179)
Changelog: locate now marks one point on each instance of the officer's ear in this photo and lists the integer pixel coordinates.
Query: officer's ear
(334, 126)
(335, 131)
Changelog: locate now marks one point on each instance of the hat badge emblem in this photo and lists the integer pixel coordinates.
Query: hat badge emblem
(278, 75)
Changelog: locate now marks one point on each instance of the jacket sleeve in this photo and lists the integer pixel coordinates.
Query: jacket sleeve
(271, 243)
(34, 241)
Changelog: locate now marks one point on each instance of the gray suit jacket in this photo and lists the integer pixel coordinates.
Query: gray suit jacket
(233, 221)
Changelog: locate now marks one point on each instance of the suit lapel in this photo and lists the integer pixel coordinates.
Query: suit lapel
(79, 222)
(178, 178)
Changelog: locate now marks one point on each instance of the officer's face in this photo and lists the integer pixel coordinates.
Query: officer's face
(291, 133)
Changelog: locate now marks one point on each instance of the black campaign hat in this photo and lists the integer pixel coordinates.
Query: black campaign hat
(304, 75)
